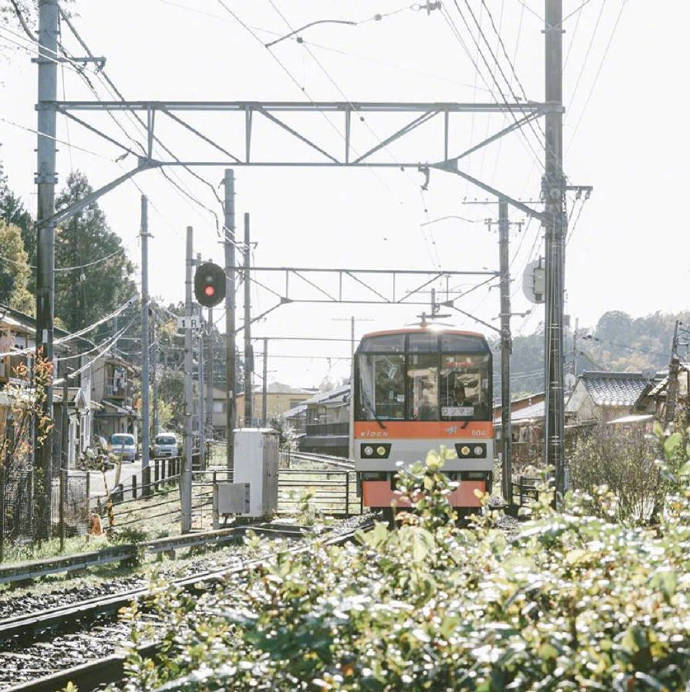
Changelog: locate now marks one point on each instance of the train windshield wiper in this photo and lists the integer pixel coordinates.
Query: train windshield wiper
(372, 410)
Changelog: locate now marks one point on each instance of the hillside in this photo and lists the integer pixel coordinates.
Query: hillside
(619, 342)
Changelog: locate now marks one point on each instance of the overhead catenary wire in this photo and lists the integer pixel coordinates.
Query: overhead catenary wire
(598, 73)
(362, 119)
(493, 76)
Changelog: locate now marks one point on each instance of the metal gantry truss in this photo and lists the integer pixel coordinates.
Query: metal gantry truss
(336, 285)
(445, 114)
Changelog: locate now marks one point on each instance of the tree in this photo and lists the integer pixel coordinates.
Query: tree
(15, 272)
(97, 285)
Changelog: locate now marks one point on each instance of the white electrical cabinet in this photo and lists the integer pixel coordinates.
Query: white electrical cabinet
(256, 463)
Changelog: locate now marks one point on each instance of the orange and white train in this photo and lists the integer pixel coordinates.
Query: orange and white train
(415, 390)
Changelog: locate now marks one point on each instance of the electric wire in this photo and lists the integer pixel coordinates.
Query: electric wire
(598, 73)
(66, 269)
(77, 334)
(297, 83)
(55, 139)
(583, 64)
(112, 89)
(502, 73)
(376, 136)
(99, 355)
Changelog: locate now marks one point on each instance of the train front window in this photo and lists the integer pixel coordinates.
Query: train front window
(465, 387)
(422, 386)
(381, 387)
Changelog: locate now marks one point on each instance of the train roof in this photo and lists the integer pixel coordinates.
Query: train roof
(420, 330)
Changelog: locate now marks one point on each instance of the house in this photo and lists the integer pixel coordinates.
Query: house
(279, 399)
(112, 386)
(527, 429)
(600, 397)
(17, 343)
(296, 418)
(327, 427)
(655, 395)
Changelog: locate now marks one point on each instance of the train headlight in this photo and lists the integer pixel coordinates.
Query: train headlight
(381, 450)
(471, 451)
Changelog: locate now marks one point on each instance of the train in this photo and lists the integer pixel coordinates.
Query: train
(415, 390)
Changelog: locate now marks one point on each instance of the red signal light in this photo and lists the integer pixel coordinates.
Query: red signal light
(209, 291)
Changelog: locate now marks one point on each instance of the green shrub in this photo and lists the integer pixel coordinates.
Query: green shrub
(568, 601)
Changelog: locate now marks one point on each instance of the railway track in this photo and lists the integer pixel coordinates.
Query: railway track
(97, 614)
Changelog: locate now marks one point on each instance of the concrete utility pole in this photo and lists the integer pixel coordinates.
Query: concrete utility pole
(248, 355)
(200, 380)
(264, 404)
(209, 375)
(229, 244)
(186, 475)
(506, 349)
(45, 244)
(145, 425)
(553, 184)
(672, 386)
(154, 379)
(575, 353)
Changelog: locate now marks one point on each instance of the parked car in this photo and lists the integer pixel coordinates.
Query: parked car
(165, 445)
(123, 446)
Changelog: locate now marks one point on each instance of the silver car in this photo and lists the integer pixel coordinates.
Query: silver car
(123, 445)
(165, 445)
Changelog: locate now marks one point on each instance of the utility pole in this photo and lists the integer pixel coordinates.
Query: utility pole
(575, 353)
(229, 246)
(145, 425)
(200, 379)
(209, 375)
(45, 246)
(154, 379)
(506, 349)
(248, 355)
(672, 386)
(264, 405)
(553, 185)
(186, 475)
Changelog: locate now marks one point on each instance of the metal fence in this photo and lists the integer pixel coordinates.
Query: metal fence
(70, 509)
(16, 490)
(333, 491)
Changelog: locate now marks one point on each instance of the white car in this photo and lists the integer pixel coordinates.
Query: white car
(123, 446)
(165, 445)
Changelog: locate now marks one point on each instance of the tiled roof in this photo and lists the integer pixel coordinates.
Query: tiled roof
(338, 395)
(614, 388)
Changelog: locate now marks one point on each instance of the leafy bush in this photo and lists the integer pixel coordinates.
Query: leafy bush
(563, 601)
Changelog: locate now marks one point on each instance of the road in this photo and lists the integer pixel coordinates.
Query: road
(129, 469)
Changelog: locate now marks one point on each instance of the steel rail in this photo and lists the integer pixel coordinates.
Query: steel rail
(61, 616)
(110, 669)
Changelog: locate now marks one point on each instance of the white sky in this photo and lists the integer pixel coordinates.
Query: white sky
(624, 135)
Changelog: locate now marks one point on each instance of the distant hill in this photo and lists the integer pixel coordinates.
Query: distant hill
(619, 342)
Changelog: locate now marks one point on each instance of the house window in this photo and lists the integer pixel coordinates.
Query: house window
(218, 407)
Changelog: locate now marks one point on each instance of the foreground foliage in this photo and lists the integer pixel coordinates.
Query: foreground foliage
(566, 600)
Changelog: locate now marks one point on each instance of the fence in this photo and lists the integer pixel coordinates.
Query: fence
(334, 491)
(70, 508)
(16, 489)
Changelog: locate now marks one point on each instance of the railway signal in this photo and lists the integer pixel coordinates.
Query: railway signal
(209, 284)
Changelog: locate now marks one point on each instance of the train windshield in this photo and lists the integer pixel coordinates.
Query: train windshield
(423, 377)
